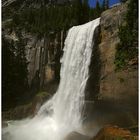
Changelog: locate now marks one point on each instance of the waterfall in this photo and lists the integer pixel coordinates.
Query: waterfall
(62, 113)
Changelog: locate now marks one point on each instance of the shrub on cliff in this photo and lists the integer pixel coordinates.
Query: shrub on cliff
(128, 34)
(14, 73)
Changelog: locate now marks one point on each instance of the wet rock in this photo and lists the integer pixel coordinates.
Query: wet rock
(6, 136)
(134, 61)
(114, 133)
(4, 124)
(26, 110)
(118, 89)
(77, 136)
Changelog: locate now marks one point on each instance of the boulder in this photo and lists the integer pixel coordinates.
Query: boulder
(26, 110)
(114, 133)
(76, 136)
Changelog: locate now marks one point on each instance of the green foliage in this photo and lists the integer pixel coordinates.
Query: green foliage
(85, 12)
(98, 9)
(120, 138)
(42, 94)
(14, 78)
(96, 12)
(105, 5)
(121, 79)
(128, 34)
(121, 57)
(134, 129)
(55, 17)
(52, 18)
(123, 1)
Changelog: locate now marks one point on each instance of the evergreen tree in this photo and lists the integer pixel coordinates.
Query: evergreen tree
(105, 5)
(85, 11)
(97, 9)
(123, 1)
(77, 9)
(8, 74)
(128, 34)
(14, 67)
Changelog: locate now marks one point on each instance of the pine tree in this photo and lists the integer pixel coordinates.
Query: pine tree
(85, 11)
(15, 73)
(105, 5)
(77, 9)
(123, 1)
(8, 74)
(97, 9)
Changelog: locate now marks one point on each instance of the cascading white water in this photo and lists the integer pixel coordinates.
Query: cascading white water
(62, 113)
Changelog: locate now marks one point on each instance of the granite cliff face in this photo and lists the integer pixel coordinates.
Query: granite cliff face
(114, 84)
(115, 96)
(119, 87)
(43, 56)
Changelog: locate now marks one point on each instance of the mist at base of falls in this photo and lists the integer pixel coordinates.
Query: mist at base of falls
(62, 113)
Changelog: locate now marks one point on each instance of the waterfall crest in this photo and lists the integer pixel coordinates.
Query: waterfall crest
(62, 113)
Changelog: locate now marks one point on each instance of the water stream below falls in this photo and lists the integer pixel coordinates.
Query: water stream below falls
(62, 113)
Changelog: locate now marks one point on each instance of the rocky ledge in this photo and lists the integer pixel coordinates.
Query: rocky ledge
(26, 110)
(106, 133)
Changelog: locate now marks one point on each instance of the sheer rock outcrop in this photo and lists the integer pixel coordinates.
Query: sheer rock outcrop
(116, 92)
(43, 56)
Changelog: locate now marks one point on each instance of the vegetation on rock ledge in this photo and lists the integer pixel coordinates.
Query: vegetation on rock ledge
(127, 49)
(14, 78)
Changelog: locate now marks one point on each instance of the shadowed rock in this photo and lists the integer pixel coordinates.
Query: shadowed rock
(77, 136)
(114, 133)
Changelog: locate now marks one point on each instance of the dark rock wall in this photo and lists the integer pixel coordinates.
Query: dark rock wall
(93, 83)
